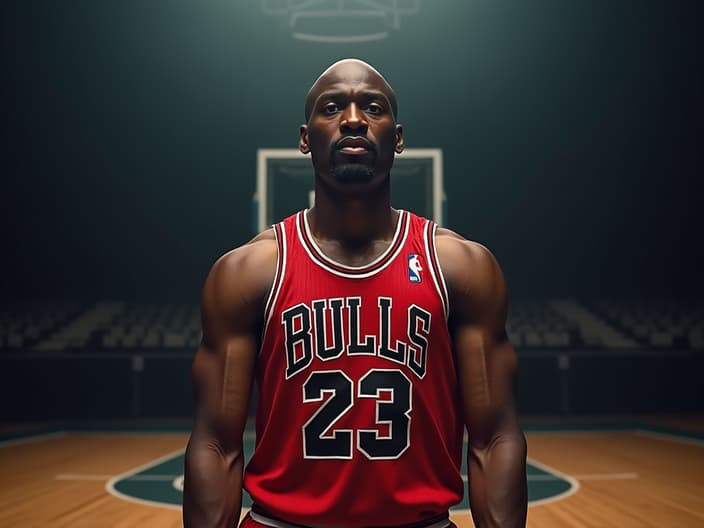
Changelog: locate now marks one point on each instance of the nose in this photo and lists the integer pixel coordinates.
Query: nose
(353, 118)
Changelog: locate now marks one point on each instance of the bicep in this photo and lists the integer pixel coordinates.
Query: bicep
(486, 361)
(487, 367)
(222, 383)
(223, 369)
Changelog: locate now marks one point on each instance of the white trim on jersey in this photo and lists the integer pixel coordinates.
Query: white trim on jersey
(281, 257)
(325, 262)
(276, 523)
(434, 262)
(446, 294)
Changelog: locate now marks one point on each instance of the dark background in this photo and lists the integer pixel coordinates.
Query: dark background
(571, 134)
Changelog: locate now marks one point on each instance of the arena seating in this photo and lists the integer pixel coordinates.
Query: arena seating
(556, 324)
(127, 359)
(656, 323)
(538, 324)
(152, 326)
(23, 325)
(110, 326)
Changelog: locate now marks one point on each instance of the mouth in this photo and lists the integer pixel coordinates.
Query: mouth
(355, 146)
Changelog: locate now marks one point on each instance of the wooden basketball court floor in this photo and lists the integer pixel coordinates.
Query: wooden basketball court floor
(626, 473)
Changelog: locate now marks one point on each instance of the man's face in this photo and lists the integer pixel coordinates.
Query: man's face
(351, 132)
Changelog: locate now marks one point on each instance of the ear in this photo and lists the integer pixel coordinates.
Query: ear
(303, 144)
(399, 139)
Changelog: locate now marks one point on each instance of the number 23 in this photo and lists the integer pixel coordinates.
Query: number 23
(319, 441)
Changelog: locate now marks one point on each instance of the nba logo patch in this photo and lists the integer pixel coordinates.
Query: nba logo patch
(414, 268)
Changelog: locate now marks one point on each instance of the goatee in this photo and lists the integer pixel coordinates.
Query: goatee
(352, 173)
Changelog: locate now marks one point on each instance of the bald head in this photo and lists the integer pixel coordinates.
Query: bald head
(349, 71)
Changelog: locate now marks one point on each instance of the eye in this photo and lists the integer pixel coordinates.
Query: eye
(374, 108)
(330, 108)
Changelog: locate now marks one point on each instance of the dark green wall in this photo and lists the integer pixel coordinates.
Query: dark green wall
(570, 129)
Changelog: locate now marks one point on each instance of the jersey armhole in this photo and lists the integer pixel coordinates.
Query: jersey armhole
(280, 236)
(434, 264)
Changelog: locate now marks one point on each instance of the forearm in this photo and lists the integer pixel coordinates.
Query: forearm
(497, 482)
(212, 494)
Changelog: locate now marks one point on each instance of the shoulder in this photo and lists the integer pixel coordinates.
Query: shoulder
(251, 258)
(473, 275)
(464, 260)
(239, 280)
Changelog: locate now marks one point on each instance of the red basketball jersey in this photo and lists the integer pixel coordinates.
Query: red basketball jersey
(358, 419)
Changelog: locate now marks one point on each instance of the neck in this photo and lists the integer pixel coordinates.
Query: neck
(352, 220)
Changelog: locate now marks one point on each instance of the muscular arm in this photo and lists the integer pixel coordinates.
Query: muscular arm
(223, 372)
(487, 367)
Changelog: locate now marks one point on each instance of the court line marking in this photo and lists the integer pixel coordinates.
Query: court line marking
(178, 483)
(110, 484)
(578, 431)
(77, 476)
(251, 435)
(574, 483)
(81, 476)
(248, 435)
(32, 438)
(572, 480)
(668, 436)
(168, 477)
(554, 474)
(606, 476)
(590, 476)
(586, 476)
(132, 475)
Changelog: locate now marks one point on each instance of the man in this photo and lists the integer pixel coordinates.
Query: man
(375, 338)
